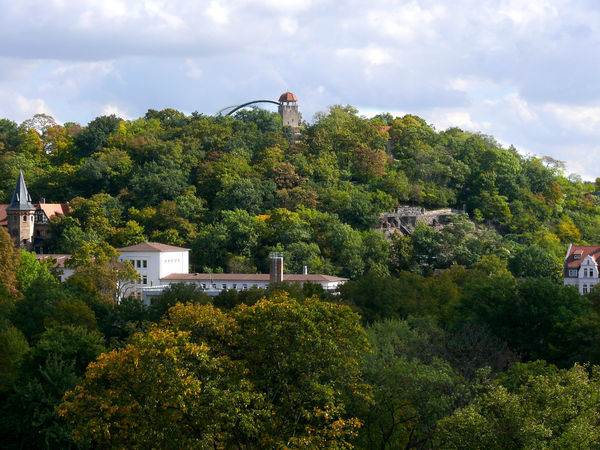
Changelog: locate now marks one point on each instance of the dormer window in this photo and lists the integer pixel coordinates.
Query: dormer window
(577, 256)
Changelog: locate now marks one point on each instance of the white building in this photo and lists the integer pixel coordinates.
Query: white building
(214, 283)
(581, 267)
(154, 261)
(160, 265)
(242, 281)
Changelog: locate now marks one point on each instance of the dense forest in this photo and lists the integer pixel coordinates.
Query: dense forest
(462, 337)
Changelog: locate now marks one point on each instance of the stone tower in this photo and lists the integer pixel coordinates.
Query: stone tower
(288, 110)
(20, 215)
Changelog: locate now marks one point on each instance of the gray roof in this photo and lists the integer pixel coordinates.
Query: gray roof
(20, 201)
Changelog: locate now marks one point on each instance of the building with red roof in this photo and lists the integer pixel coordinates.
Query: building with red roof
(288, 97)
(581, 267)
(29, 223)
(288, 109)
(161, 265)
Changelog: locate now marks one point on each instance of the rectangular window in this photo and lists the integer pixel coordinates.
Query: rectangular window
(223, 286)
(203, 285)
(572, 272)
(585, 289)
(145, 263)
(144, 279)
(138, 263)
(245, 286)
(234, 286)
(214, 286)
(585, 272)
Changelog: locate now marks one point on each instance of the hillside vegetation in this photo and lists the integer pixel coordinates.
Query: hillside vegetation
(490, 351)
(232, 189)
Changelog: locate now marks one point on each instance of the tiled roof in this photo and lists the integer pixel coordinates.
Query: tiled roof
(60, 259)
(53, 209)
(288, 97)
(3, 207)
(291, 277)
(584, 251)
(152, 247)
(50, 209)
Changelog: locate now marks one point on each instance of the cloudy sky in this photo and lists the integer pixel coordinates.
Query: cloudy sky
(524, 71)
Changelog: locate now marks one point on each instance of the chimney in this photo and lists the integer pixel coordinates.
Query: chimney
(276, 272)
(304, 270)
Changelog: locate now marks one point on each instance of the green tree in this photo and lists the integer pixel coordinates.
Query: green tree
(557, 410)
(30, 270)
(533, 261)
(302, 357)
(411, 389)
(187, 397)
(96, 135)
(15, 347)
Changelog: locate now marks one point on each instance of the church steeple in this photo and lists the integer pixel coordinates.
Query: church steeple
(20, 201)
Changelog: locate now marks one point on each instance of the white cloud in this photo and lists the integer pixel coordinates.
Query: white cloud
(218, 12)
(288, 25)
(579, 118)
(515, 103)
(193, 71)
(286, 6)
(109, 109)
(471, 83)
(406, 21)
(524, 13)
(371, 55)
(446, 118)
(19, 108)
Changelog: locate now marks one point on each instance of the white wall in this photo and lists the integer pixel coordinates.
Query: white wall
(158, 264)
(587, 276)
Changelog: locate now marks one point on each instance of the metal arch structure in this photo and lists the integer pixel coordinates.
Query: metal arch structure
(243, 105)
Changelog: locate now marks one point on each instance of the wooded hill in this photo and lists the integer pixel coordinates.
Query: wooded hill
(235, 188)
(491, 352)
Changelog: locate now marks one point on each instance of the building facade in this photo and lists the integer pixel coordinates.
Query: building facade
(154, 261)
(580, 267)
(288, 110)
(160, 265)
(214, 283)
(28, 223)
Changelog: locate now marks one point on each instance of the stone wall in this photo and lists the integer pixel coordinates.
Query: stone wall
(404, 219)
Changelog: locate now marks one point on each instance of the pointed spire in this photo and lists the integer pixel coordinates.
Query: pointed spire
(21, 201)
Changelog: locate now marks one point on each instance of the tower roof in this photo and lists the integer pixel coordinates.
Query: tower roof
(288, 97)
(20, 200)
